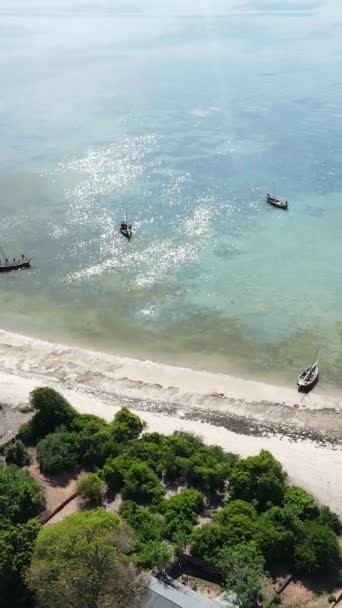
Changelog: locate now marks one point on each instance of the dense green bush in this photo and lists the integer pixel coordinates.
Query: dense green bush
(208, 469)
(57, 452)
(142, 484)
(16, 453)
(146, 525)
(155, 555)
(317, 552)
(243, 570)
(300, 503)
(259, 479)
(94, 440)
(236, 523)
(20, 496)
(151, 448)
(151, 550)
(51, 411)
(114, 471)
(180, 514)
(280, 529)
(126, 426)
(91, 488)
(330, 519)
(235, 507)
(208, 540)
(16, 546)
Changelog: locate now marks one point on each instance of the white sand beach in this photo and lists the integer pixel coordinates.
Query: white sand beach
(242, 416)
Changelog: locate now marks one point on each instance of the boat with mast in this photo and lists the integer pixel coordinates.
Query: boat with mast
(126, 228)
(308, 377)
(7, 265)
(273, 200)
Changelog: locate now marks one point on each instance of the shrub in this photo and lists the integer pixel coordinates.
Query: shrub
(16, 547)
(330, 519)
(318, 551)
(208, 540)
(20, 496)
(57, 452)
(51, 411)
(94, 440)
(115, 470)
(146, 525)
(280, 530)
(181, 513)
(142, 484)
(179, 449)
(208, 468)
(126, 426)
(151, 449)
(302, 504)
(156, 555)
(243, 568)
(91, 488)
(259, 479)
(235, 507)
(16, 453)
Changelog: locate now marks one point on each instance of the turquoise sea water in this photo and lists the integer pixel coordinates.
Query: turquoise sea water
(181, 113)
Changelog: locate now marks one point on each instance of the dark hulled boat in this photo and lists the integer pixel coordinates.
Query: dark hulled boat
(126, 229)
(276, 202)
(7, 265)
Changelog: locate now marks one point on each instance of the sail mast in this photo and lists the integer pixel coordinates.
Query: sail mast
(3, 253)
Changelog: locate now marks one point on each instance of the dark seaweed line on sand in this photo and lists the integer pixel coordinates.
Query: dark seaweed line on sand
(242, 425)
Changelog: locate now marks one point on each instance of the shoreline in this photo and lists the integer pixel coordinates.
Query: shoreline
(240, 415)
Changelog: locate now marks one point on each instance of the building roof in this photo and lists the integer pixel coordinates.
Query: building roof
(175, 595)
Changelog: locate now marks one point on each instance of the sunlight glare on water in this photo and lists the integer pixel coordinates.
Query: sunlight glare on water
(182, 115)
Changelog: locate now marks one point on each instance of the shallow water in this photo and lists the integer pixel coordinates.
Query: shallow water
(183, 116)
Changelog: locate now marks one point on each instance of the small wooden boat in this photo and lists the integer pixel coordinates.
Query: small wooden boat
(276, 202)
(126, 229)
(7, 265)
(308, 377)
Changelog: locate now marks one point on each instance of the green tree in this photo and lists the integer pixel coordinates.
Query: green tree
(146, 525)
(259, 479)
(16, 453)
(280, 529)
(317, 552)
(208, 469)
(243, 568)
(114, 471)
(142, 484)
(179, 449)
(302, 504)
(208, 540)
(330, 519)
(57, 452)
(235, 507)
(51, 411)
(83, 561)
(155, 555)
(20, 496)
(180, 513)
(126, 426)
(151, 448)
(16, 547)
(151, 550)
(91, 488)
(94, 440)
